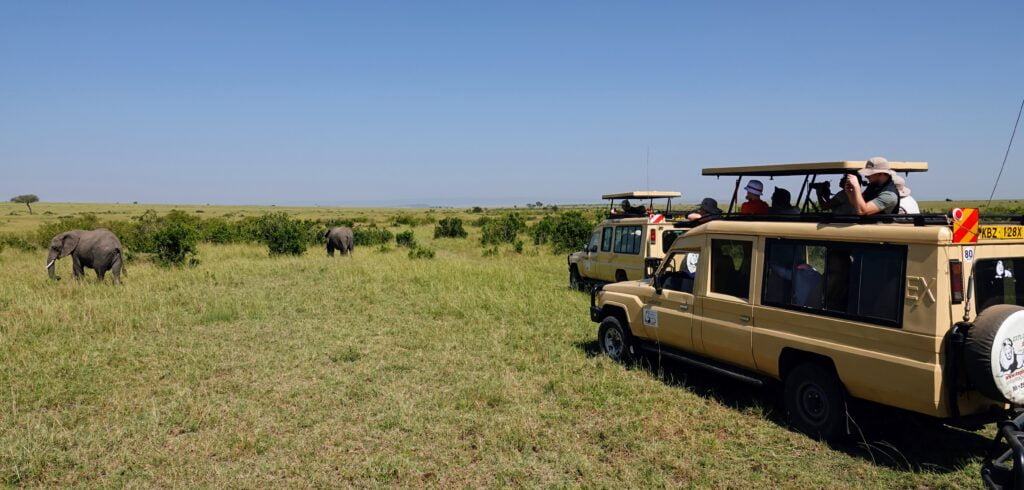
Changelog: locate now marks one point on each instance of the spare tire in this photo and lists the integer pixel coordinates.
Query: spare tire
(994, 353)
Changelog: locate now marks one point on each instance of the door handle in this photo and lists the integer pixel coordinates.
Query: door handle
(684, 307)
(744, 318)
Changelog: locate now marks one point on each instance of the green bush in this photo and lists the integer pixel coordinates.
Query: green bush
(572, 231)
(174, 241)
(404, 220)
(283, 235)
(505, 229)
(406, 239)
(418, 252)
(491, 252)
(450, 228)
(45, 233)
(518, 246)
(481, 221)
(219, 230)
(476, 209)
(543, 230)
(371, 235)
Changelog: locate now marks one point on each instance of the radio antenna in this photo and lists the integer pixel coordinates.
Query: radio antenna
(1012, 134)
(648, 169)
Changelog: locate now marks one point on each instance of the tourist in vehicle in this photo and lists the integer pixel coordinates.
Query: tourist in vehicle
(754, 204)
(908, 205)
(707, 211)
(628, 208)
(781, 204)
(879, 197)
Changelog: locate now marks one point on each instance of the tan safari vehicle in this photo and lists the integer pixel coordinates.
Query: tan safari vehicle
(627, 245)
(900, 310)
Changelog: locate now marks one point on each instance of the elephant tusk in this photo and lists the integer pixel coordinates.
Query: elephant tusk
(51, 263)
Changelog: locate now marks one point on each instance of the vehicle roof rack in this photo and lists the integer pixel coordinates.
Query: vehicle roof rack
(642, 195)
(812, 168)
(923, 219)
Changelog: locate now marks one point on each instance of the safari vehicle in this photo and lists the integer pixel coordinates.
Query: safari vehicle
(626, 245)
(923, 313)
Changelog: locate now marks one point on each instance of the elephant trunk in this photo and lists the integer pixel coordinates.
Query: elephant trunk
(50, 267)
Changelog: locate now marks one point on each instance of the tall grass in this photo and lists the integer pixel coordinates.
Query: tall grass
(378, 370)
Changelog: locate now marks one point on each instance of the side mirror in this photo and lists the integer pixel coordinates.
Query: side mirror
(658, 287)
(592, 248)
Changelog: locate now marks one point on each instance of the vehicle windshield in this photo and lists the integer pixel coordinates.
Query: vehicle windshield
(995, 281)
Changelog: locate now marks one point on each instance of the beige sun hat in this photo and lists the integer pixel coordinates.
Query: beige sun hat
(901, 185)
(877, 165)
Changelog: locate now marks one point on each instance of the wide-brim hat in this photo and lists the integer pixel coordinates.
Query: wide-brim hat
(754, 187)
(901, 185)
(710, 206)
(877, 165)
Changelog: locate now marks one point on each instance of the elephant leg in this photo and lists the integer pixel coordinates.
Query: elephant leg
(101, 273)
(330, 249)
(76, 267)
(115, 269)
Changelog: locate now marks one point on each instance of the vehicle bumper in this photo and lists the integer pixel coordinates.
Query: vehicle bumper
(1006, 469)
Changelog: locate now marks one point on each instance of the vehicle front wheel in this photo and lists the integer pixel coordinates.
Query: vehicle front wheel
(575, 281)
(615, 340)
(815, 401)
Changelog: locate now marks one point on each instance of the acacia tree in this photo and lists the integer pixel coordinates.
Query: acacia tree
(26, 199)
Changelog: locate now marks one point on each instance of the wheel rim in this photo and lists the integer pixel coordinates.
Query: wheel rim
(813, 403)
(613, 344)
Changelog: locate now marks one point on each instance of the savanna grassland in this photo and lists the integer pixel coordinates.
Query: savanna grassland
(467, 370)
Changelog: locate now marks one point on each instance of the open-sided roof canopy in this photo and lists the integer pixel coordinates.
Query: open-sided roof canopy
(642, 195)
(818, 168)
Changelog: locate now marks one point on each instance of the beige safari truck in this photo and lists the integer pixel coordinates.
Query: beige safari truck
(903, 311)
(626, 245)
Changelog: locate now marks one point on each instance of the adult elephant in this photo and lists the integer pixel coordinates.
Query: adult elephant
(339, 238)
(99, 250)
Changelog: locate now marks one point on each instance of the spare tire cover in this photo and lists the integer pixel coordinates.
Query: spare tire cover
(994, 353)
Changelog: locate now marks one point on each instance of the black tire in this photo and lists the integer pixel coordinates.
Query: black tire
(615, 340)
(620, 276)
(981, 346)
(815, 401)
(575, 281)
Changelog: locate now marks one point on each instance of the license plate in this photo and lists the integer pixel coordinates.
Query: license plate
(1001, 232)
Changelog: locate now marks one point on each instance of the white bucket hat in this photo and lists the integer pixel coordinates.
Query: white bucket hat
(754, 187)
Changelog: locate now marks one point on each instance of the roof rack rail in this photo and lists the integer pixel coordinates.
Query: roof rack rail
(926, 219)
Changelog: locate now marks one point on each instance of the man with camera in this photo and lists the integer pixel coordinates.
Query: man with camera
(880, 195)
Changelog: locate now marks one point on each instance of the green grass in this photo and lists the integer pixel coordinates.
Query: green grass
(378, 370)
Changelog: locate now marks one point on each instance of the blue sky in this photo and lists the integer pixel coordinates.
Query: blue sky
(462, 102)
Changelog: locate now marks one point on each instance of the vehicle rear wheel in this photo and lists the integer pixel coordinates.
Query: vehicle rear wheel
(575, 281)
(994, 354)
(815, 401)
(614, 339)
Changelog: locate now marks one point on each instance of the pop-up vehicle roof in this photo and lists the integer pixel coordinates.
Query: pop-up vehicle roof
(649, 196)
(810, 171)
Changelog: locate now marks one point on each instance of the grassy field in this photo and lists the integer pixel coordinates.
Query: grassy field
(379, 370)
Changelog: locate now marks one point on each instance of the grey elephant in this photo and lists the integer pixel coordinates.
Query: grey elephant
(99, 250)
(339, 238)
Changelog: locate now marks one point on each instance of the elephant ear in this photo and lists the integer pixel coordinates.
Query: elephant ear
(68, 244)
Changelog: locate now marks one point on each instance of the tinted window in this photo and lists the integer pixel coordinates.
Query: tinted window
(857, 281)
(680, 271)
(627, 239)
(995, 281)
(668, 237)
(606, 239)
(730, 267)
(594, 240)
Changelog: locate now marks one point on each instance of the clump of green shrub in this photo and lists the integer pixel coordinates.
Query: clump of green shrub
(406, 239)
(371, 235)
(174, 240)
(46, 232)
(518, 246)
(476, 209)
(283, 235)
(481, 221)
(491, 252)
(385, 248)
(504, 229)
(565, 232)
(418, 252)
(450, 228)
(404, 219)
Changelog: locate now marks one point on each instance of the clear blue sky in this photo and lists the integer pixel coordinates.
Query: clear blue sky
(454, 102)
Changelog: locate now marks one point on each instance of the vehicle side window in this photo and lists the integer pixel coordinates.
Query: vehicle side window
(680, 272)
(606, 239)
(848, 280)
(996, 283)
(627, 239)
(668, 237)
(730, 267)
(594, 240)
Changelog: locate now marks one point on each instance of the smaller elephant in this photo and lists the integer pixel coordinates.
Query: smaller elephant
(99, 250)
(339, 238)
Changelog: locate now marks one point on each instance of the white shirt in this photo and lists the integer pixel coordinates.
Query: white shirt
(908, 205)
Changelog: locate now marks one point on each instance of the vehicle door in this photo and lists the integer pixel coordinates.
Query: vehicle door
(589, 262)
(669, 313)
(626, 252)
(726, 310)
